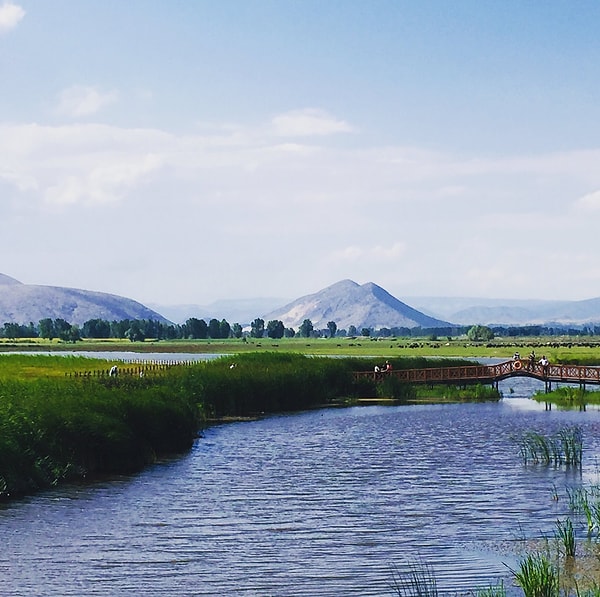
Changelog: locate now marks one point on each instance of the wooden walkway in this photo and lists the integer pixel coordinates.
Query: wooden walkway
(491, 374)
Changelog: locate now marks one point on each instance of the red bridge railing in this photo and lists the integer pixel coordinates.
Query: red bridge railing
(491, 374)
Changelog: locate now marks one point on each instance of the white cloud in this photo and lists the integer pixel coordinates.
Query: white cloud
(10, 16)
(415, 222)
(80, 101)
(589, 202)
(106, 183)
(308, 122)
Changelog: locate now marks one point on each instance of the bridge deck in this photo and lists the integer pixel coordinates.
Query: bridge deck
(491, 374)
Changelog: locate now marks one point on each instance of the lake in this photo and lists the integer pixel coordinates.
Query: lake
(317, 503)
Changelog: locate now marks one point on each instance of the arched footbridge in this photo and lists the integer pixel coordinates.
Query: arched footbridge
(491, 374)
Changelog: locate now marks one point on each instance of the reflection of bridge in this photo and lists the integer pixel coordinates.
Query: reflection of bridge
(491, 374)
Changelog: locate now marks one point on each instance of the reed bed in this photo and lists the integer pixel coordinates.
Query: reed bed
(538, 576)
(585, 501)
(564, 447)
(56, 427)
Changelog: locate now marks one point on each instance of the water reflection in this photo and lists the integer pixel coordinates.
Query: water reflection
(318, 503)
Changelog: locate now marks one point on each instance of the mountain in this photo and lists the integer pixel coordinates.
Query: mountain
(24, 303)
(469, 311)
(348, 303)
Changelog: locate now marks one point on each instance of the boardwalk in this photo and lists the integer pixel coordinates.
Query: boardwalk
(492, 374)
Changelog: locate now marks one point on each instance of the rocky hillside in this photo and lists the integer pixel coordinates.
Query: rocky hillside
(24, 303)
(348, 303)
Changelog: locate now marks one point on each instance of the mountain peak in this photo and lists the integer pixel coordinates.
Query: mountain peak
(22, 303)
(348, 303)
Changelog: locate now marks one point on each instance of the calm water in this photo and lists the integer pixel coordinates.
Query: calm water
(318, 503)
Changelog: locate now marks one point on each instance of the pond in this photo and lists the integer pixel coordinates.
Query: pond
(317, 503)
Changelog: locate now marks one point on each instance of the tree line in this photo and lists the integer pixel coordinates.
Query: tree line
(138, 330)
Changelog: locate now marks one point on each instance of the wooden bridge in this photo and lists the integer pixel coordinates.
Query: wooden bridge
(491, 374)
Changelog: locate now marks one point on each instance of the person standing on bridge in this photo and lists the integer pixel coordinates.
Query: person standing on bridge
(388, 367)
(544, 364)
(531, 364)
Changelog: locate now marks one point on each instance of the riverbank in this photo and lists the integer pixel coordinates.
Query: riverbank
(59, 422)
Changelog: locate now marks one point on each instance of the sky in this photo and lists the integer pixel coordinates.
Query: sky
(189, 151)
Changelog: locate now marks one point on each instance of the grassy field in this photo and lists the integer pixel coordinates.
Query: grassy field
(575, 350)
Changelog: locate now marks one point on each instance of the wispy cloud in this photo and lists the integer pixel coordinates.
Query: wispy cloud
(10, 16)
(309, 122)
(589, 202)
(397, 216)
(80, 101)
(103, 184)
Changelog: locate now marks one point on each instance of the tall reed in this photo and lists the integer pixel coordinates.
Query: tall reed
(537, 576)
(586, 501)
(564, 447)
(417, 581)
(566, 535)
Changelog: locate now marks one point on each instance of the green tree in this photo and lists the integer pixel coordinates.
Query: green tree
(196, 328)
(12, 330)
(236, 330)
(62, 328)
(352, 331)
(214, 329)
(96, 328)
(224, 328)
(306, 328)
(480, 333)
(135, 332)
(119, 329)
(257, 328)
(365, 332)
(74, 334)
(46, 327)
(275, 329)
(332, 327)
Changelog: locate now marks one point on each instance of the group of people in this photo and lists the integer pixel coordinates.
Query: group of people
(531, 362)
(387, 368)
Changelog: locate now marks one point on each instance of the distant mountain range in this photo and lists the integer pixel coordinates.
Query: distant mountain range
(470, 311)
(345, 302)
(24, 303)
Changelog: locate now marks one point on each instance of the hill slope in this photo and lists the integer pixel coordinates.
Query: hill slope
(24, 303)
(469, 311)
(348, 303)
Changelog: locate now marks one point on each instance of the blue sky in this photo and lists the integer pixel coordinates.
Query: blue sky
(189, 151)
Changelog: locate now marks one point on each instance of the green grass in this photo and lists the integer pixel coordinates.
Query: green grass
(569, 397)
(537, 576)
(572, 350)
